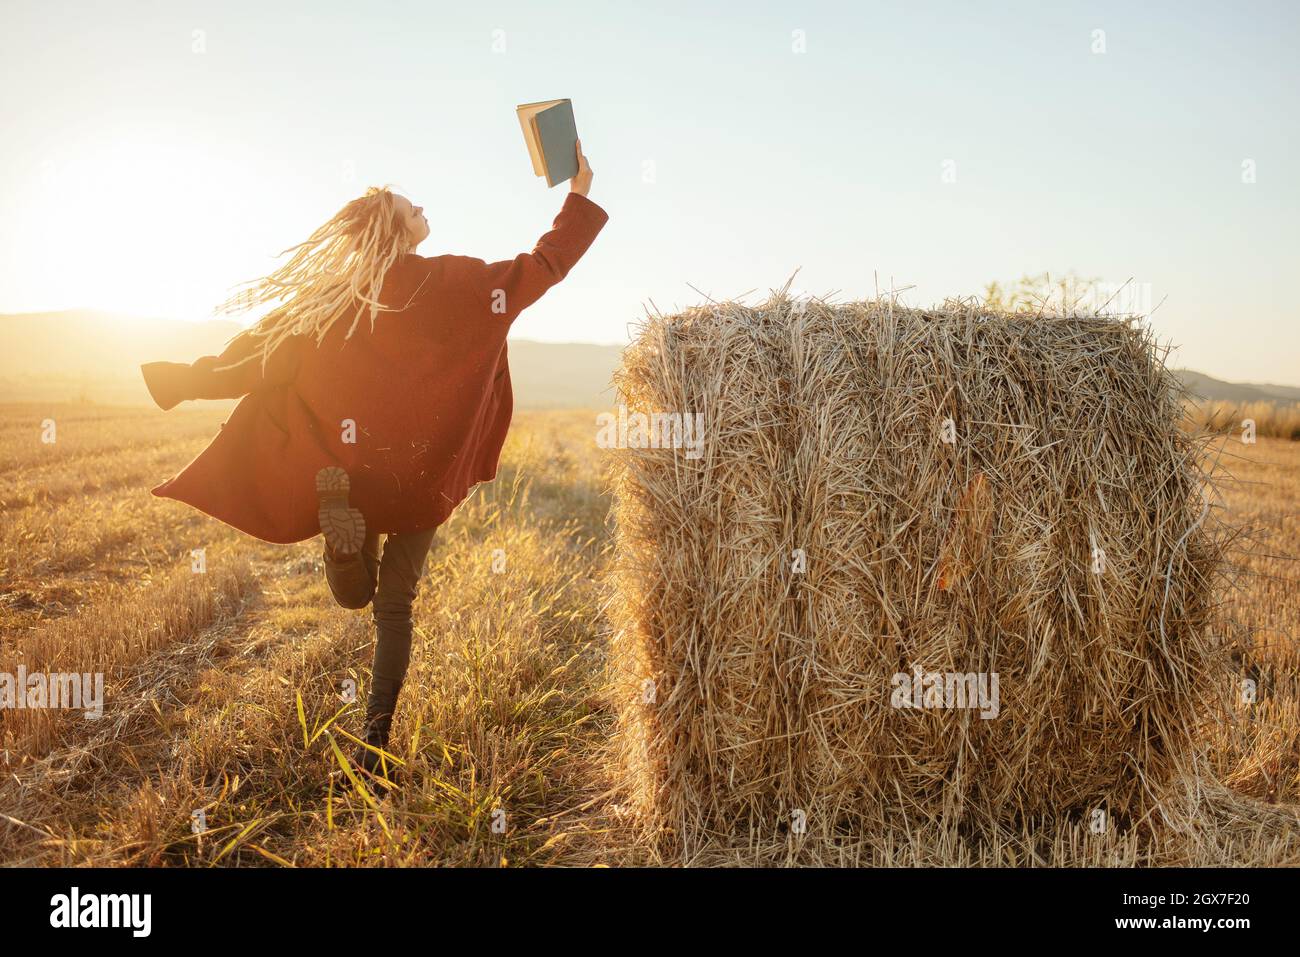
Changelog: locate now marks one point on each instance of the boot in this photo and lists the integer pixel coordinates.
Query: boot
(379, 722)
(344, 527)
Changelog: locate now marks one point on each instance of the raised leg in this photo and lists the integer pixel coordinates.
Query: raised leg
(353, 579)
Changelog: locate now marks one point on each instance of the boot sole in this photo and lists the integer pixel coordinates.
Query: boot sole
(344, 527)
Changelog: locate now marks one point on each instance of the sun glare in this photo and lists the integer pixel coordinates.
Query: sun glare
(143, 228)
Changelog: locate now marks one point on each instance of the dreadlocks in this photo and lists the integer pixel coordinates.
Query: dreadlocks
(336, 274)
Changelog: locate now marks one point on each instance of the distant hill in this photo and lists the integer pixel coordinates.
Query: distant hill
(1208, 387)
(60, 356)
(77, 354)
(573, 375)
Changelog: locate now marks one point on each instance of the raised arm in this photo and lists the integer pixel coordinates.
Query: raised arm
(508, 287)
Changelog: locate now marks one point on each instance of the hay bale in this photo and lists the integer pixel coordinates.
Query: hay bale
(971, 494)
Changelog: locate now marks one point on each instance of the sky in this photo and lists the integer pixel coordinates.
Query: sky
(157, 153)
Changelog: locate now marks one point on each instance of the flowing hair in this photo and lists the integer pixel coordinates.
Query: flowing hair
(337, 273)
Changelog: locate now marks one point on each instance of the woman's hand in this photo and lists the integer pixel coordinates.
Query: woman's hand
(581, 181)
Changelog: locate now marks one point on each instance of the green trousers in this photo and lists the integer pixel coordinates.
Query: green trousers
(389, 581)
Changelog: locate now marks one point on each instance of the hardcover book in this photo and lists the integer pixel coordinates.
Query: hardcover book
(552, 138)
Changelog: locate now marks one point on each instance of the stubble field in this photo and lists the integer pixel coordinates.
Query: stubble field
(225, 688)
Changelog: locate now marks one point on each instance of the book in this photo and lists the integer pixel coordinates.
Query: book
(552, 138)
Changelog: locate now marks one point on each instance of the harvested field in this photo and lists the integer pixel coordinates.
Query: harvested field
(514, 695)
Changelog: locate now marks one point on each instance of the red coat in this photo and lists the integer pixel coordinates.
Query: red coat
(428, 395)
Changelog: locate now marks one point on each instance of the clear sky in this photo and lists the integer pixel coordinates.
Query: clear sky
(147, 167)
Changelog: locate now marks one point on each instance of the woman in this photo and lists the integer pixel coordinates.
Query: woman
(352, 428)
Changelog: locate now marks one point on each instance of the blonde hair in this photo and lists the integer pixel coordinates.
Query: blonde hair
(336, 273)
